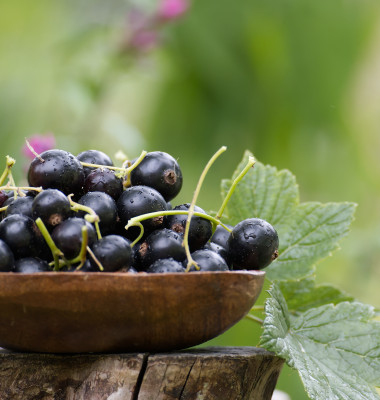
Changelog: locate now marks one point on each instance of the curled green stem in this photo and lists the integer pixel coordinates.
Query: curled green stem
(53, 248)
(190, 260)
(81, 258)
(128, 170)
(91, 215)
(136, 221)
(250, 163)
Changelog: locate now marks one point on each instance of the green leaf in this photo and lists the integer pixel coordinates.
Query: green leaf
(304, 294)
(308, 232)
(311, 234)
(264, 192)
(336, 349)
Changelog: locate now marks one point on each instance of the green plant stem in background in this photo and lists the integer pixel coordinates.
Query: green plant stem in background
(250, 163)
(255, 319)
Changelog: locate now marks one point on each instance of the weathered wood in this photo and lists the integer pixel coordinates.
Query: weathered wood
(214, 373)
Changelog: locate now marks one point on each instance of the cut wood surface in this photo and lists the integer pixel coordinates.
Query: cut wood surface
(212, 373)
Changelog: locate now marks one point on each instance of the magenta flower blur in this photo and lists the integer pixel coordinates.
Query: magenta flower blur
(40, 143)
(172, 9)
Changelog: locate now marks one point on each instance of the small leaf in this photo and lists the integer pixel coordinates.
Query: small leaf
(304, 294)
(336, 349)
(312, 233)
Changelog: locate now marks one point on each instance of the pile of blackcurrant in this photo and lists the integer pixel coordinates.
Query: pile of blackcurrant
(83, 214)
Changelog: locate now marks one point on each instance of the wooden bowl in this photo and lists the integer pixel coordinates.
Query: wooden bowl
(80, 312)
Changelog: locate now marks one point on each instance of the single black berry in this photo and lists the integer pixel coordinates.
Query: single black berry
(217, 249)
(104, 180)
(166, 265)
(52, 206)
(22, 235)
(200, 229)
(113, 252)
(221, 236)
(30, 265)
(57, 169)
(7, 259)
(160, 171)
(20, 205)
(94, 157)
(253, 244)
(138, 200)
(104, 206)
(208, 260)
(162, 243)
(67, 236)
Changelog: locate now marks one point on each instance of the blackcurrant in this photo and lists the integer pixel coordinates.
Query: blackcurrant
(22, 235)
(104, 180)
(94, 157)
(162, 243)
(30, 265)
(52, 206)
(166, 265)
(253, 244)
(221, 236)
(67, 236)
(200, 229)
(21, 205)
(217, 249)
(7, 259)
(113, 252)
(138, 200)
(160, 171)
(104, 206)
(57, 169)
(208, 260)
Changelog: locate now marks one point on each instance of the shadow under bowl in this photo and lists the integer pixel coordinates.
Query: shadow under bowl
(66, 312)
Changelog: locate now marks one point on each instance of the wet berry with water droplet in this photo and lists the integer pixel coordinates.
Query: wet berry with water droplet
(253, 244)
(57, 169)
(160, 171)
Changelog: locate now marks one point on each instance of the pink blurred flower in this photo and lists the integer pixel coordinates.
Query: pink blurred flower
(40, 143)
(144, 40)
(172, 9)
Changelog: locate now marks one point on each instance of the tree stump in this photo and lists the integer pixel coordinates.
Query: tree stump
(213, 373)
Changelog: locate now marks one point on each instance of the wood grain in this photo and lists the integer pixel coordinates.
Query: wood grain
(215, 373)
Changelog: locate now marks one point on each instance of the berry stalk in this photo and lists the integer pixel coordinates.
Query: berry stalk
(251, 162)
(192, 205)
(53, 248)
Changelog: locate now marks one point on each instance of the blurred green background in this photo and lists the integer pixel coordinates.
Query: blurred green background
(296, 81)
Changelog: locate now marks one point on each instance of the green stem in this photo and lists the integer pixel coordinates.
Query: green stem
(128, 170)
(255, 319)
(98, 263)
(139, 224)
(36, 189)
(85, 164)
(251, 162)
(134, 221)
(9, 163)
(83, 248)
(91, 216)
(258, 308)
(190, 260)
(53, 248)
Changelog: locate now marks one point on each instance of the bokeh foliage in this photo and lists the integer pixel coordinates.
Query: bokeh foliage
(294, 81)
